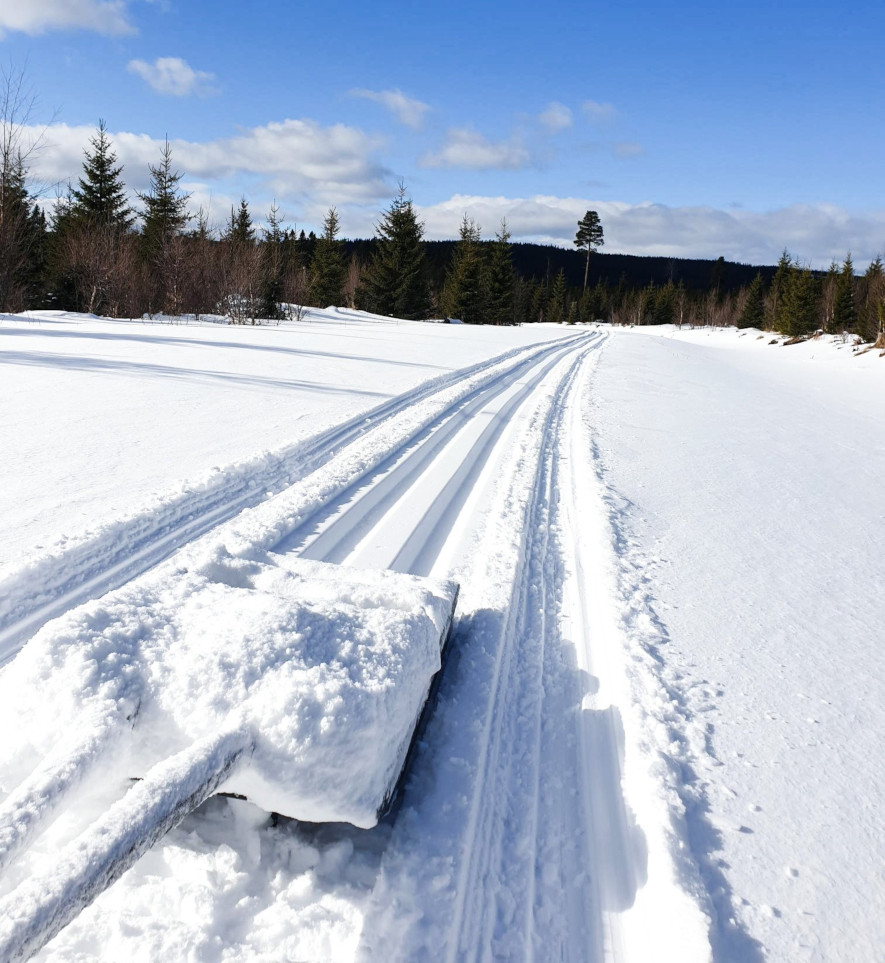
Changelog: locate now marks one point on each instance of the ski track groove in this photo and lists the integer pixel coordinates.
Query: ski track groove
(532, 618)
(96, 564)
(369, 499)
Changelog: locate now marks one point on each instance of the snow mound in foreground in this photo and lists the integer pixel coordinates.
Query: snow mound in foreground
(327, 667)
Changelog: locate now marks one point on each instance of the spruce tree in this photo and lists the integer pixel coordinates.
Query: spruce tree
(273, 267)
(594, 303)
(800, 304)
(165, 214)
(557, 307)
(844, 310)
(774, 306)
(100, 197)
(239, 227)
(463, 292)
(396, 282)
(873, 296)
(327, 270)
(165, 217)
(664, 310)
(500, 280)
(23, 242)
(590, 236)
(828, 296)
(753, 314)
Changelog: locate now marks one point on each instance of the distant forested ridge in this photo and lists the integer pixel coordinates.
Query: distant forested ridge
(544, 261)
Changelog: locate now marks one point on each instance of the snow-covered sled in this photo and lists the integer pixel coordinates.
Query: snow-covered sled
(296, 684)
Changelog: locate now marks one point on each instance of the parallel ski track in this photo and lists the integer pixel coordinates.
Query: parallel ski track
(510, 799)
(123, 550)
(530, 785)
(344, 520)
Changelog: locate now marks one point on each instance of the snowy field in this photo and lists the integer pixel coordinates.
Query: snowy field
(657, 732)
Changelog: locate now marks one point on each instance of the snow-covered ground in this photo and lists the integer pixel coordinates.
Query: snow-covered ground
(656, 733)
(744, 484)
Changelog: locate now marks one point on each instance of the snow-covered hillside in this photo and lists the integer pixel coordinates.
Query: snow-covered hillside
(656, 733)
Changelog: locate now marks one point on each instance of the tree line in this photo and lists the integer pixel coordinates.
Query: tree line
(95, 253)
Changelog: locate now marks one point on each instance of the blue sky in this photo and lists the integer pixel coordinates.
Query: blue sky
(694, 129)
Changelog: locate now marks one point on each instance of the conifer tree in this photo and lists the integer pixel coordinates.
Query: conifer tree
(22, 226)
(753, 314)
(165, 217)
(800, 303)
(557, 307)
(239, 228)
(274, 264)
(23, 242)
(327, 270)
(828, 296)
(500, 280)
(844, 310)
(774, 316)
(396, 282)
(100, 197)
(165, 214)
(595, 302)
(463, 294)
(590, 236)
(663, 310)
(873, 297)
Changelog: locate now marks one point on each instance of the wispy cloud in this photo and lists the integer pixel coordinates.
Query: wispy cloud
(174, 77)
(556, 117)
(407, 110)
(467, 148)
(598, 113)
(39, 16)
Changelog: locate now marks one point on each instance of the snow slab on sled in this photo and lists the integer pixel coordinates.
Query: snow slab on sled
(294, 683)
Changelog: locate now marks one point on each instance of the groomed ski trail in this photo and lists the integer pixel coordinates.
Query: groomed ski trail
(87, 567)
(516, 841)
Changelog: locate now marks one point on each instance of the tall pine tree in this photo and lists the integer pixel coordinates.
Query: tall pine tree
(500, 280)
(873, 297)
(100, 197)
(844, 310)
(273, 267)
(590, 236)
(774, 305)
(463, 292)
(165, 218)
(165, 207)
(396, 282)
(327, 270)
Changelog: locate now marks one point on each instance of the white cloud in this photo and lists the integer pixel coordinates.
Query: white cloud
(174, 77)
(556, 117)
(297, 161)
(38, 16)
(469, 149)
(408, 110)
(599, 113)
(815, 233)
